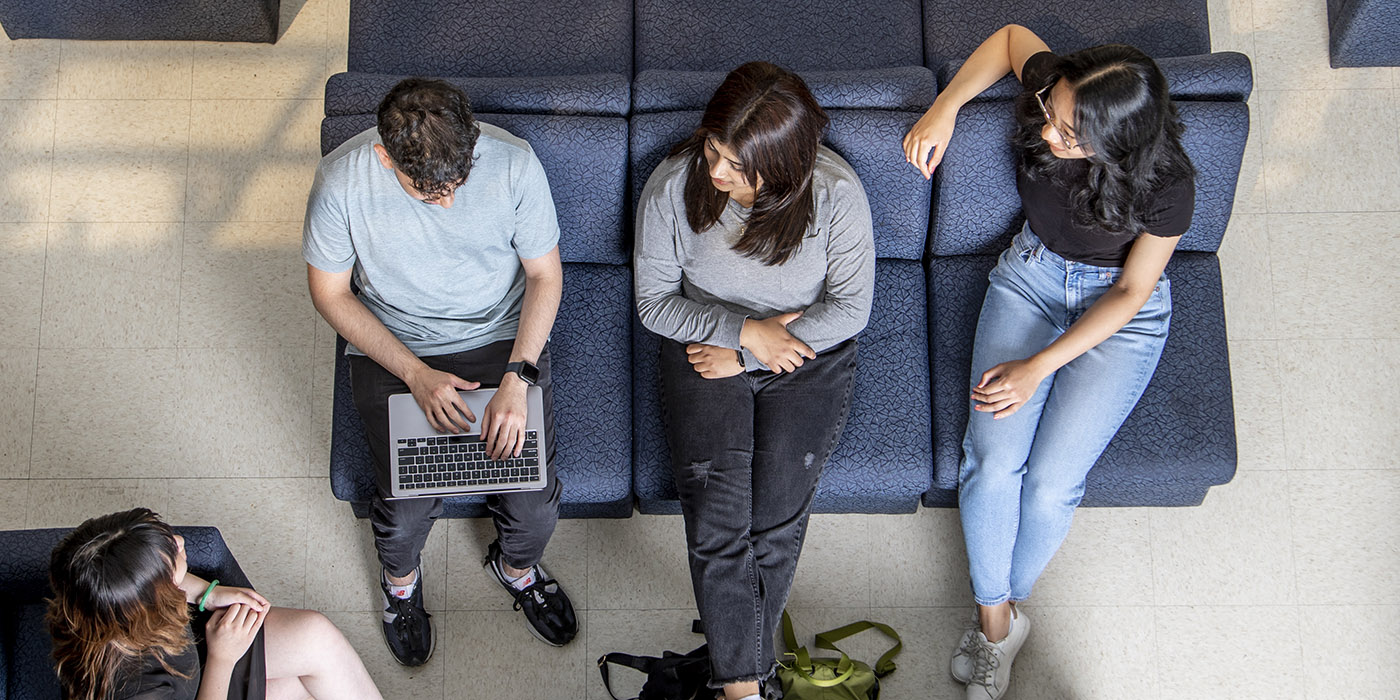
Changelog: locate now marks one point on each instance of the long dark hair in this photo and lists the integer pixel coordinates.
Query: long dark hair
(1124, 115)
(769, 118)
(114, 601)
(429, 131)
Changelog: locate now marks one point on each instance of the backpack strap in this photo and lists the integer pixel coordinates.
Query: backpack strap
(803, 660)
(883, 667)
(639, 663)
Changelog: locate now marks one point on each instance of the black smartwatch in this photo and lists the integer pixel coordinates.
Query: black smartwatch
(525, 370)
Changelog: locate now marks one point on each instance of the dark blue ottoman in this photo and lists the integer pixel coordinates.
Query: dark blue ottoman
(1364, 32)
(190, 20)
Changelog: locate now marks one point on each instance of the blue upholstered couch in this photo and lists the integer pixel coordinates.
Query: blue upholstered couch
(26, 665)
(603, 94)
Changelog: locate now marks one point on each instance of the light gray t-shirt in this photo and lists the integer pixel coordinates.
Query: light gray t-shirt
(695, 288)
(442, 280)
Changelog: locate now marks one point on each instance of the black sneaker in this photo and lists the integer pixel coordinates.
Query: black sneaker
(546, 606)
(407, 631)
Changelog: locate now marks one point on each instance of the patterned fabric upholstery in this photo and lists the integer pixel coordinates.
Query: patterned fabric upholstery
(491, 39)
(574, 152)
(882, 463)
(977, 209)
(954, 28)
(908, 87)
(867, 139)
(827, 35)
(855, 54)
(591, 352)
(1363, 33)
(1177, 442)
(175, 20)
(601, 94)
(26, 667)
(1225, 75)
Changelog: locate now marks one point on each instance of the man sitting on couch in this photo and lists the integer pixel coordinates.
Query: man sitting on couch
(453, 293)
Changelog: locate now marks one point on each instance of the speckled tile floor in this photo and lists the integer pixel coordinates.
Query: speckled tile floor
(152, 303)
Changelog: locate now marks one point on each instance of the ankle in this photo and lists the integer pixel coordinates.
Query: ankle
(741, 691)
(404, 580)
(995, 621)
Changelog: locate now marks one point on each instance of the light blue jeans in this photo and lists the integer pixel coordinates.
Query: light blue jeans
(1022, 476)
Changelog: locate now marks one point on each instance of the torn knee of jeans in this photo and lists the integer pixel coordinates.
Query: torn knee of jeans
(809, 460)
(700, 469)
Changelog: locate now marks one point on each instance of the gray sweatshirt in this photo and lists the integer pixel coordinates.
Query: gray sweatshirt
(694, 288)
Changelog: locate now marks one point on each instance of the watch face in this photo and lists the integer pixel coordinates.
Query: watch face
(529, 373)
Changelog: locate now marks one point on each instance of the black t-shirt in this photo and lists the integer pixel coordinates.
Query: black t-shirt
(1046, 201)
(150, 681)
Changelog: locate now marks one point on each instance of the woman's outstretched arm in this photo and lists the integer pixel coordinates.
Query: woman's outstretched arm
(1002, 52)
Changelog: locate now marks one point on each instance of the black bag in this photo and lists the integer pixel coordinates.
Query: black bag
(671, 677)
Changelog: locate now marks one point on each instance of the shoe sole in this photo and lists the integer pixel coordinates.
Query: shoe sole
(491, 573)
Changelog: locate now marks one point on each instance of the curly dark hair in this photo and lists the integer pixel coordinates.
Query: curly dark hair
(1125, 117)
(770, 119)
(429, 131)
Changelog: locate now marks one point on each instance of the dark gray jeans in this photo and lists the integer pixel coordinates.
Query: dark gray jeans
(747, 452)
(524, 521)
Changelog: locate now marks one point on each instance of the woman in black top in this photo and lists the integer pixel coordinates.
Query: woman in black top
(1076, 312)
(129, 621)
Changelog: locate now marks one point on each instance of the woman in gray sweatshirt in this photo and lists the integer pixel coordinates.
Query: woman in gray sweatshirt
(755, 261)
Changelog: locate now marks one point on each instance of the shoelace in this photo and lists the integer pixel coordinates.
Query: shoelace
(543, 598)
(984, 663)
(408, 620)
(969, 645)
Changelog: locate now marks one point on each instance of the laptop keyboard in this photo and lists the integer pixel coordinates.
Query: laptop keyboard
(461, 460)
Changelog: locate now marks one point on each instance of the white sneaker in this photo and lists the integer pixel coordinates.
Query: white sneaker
(991, 672)
(962, 664)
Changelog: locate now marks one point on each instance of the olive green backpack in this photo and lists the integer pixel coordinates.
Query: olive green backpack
(806, 678)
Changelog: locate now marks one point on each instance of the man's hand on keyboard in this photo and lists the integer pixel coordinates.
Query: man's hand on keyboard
(503, 425)
(436, 394)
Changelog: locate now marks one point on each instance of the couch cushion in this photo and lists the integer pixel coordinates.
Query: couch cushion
(1223, 76)
(954, 28)
(908, 87)
(600, 94)
(32, 674)
(881, 462)
(592, 417)
(505, 38)
(1177, 442)
(867, 139)
(710, 35)
(977, 208)
(584, 159)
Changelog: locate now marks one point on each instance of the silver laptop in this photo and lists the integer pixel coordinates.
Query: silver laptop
(426, 463)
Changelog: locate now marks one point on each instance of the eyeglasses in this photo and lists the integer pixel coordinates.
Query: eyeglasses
(1067, 139)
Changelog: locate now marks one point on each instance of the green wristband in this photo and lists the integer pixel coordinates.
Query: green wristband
(205, 598)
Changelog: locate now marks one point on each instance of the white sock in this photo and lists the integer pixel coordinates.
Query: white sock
(751, 697)
(522, 581)
(404, 591)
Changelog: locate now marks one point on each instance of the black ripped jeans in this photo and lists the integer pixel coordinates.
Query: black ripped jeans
(746, 452)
